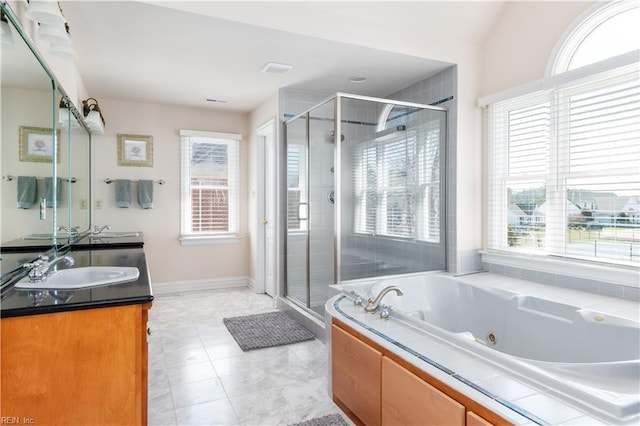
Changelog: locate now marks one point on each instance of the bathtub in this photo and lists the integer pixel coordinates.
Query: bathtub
(590, 358)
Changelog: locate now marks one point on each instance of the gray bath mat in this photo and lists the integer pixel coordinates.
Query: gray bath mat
(266, 330)
(330, 420)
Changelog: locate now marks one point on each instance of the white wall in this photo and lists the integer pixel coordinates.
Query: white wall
(168, 260)
(522, 41)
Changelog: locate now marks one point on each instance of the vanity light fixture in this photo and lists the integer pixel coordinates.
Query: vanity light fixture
(66, 118)
(5, 32)
(54, 33)
(93, 116)
(45, 12)
(63, 49)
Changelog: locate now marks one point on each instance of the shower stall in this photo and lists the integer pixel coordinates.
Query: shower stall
(365, 194)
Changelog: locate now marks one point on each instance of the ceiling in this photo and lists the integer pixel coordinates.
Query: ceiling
(186, 52)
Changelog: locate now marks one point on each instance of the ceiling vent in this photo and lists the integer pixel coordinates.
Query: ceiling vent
(276, 68)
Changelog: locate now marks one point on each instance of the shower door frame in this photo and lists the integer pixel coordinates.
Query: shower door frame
(337, 160)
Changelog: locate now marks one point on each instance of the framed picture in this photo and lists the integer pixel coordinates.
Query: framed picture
(135, 150)
(37, 144)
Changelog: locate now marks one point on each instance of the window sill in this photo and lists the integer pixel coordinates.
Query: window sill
(193, 240)
(616, 274)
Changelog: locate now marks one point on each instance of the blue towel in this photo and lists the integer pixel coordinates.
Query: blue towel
(27, 189)
(48, 191)
(145, 193)
(123, 193)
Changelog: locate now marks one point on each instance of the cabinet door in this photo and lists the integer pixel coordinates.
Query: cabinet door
(356, 376)
(80, 367)
(408, 400)
(475, 420)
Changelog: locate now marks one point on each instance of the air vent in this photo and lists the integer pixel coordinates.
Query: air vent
(216, 101)
(276, 68)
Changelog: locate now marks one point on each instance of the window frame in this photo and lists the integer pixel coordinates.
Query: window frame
(383, 189)
(232, 141)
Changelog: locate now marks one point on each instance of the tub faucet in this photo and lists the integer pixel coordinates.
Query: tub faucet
(372, 304)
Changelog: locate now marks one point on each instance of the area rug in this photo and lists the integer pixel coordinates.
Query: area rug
(266, 330)
(330, 420)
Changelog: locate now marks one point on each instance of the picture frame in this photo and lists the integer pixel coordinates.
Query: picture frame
(36, 144)
(135, 150)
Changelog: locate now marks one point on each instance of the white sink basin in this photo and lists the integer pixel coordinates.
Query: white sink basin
(79, 278)
(113, 235)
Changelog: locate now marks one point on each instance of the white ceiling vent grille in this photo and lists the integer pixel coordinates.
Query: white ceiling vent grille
(276, 68)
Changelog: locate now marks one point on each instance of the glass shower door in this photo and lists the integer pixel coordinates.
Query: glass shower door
(321, 205)
(297, 211)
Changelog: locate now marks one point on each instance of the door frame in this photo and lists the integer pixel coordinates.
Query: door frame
(267, 129)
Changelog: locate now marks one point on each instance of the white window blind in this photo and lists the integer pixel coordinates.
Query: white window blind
(564, 169)
(296, 188)
(210, 184)
(396, 181)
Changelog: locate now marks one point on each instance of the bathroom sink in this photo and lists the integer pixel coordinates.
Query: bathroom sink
(113, 235)
(80, 278)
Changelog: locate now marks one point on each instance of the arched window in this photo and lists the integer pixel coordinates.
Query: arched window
(610, 30)
(563, 153)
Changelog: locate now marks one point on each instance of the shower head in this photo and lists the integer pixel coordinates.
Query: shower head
(333, 136)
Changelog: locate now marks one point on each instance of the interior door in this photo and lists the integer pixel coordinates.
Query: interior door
(270, 216)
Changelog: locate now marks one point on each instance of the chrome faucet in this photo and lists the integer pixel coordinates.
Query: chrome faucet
(372, 304)
(98, 229)
(73, 230)
(42, 267)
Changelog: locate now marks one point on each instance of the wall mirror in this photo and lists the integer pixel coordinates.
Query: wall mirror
(38, 148)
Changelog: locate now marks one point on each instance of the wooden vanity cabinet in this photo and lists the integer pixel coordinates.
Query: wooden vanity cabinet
(406, 395)
(76, 367)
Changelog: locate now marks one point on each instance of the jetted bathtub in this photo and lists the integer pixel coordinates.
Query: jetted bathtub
(590, 357)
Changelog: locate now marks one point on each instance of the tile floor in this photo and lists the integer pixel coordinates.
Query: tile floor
(199, 376)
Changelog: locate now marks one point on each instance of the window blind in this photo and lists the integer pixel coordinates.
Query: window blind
(210, 184)
(564, 169)
(396, 181)
(296, 191)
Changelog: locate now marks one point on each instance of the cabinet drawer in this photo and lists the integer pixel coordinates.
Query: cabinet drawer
(356, 372)
(408, 400)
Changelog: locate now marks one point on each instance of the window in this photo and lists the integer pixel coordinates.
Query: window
(396, 184)
(564, 169)
(296, 193)
(611, 30)
(210, 180)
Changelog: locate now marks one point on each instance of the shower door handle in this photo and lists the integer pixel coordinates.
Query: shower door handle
(303, 211)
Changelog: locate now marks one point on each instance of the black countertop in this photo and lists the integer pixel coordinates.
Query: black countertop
(20, 245)
(28, 302)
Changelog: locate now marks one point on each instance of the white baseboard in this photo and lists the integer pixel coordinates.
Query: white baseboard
(252, 284)
(197, 285)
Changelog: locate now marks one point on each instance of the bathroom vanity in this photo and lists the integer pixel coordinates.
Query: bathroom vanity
(77, 357)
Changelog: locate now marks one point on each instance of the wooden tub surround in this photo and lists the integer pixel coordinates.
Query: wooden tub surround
(373, 386)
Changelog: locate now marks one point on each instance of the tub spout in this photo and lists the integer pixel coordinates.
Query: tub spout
(372, 304)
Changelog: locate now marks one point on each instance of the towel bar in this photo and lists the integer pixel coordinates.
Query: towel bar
(159, 182)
